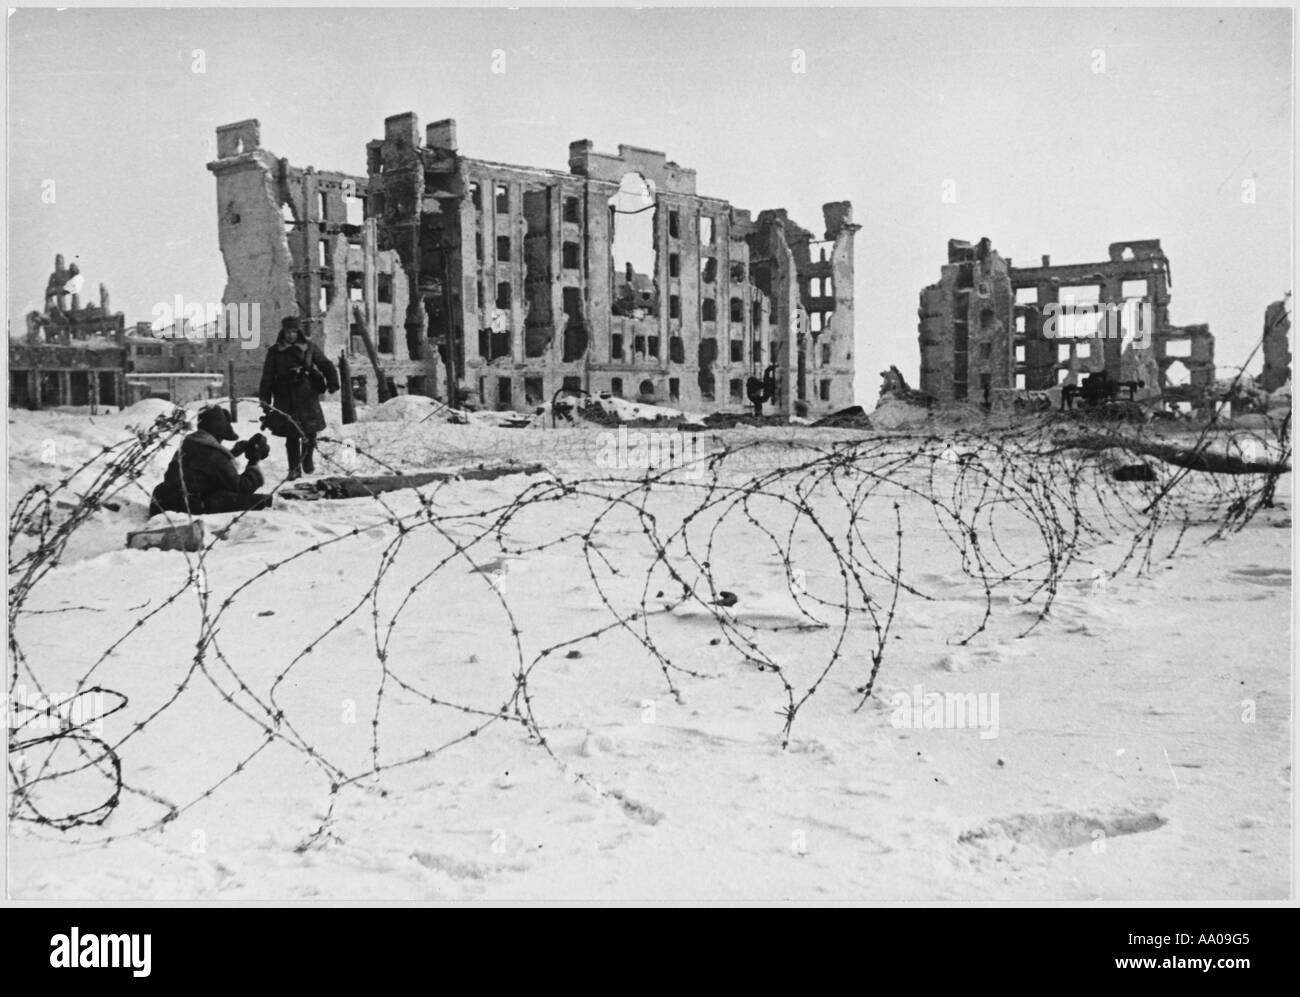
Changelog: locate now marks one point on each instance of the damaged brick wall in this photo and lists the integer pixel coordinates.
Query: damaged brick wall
(1196, 356)
(823, 360)
(503, 277)
(253, 239)
(293, 242)
(1019, 335)
(71, 354)
(1277, 346)
(966, 327)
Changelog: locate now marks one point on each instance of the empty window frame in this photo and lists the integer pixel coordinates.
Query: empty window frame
(706, 230)
(1133, 289)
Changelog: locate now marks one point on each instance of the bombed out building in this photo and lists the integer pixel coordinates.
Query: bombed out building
(72, 354)
(991, 331)
(513, 282)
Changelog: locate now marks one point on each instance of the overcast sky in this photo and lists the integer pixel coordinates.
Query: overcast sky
(1062, 130)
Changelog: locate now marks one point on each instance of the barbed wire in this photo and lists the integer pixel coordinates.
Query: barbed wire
(1012, 510)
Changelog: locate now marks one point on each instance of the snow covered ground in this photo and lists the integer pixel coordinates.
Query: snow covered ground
(1134, 744)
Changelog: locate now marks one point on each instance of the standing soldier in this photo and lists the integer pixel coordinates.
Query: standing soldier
(295, 375)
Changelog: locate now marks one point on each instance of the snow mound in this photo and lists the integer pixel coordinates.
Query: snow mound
(146, 410)
(406, 408)
(628, 411)
(499, 420)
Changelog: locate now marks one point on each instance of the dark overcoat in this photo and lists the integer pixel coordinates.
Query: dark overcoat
(202, 477)
(287, 387)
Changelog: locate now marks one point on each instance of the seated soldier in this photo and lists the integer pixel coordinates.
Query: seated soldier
(202, 477)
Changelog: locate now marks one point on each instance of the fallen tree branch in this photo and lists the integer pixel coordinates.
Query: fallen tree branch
(362, 487)
(1192, 458)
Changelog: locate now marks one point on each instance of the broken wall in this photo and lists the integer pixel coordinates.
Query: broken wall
(253, 240)
(1137, 271)
(292, 242)
(507, 271)
(1277, 347)
(966, 328)
(988, 324)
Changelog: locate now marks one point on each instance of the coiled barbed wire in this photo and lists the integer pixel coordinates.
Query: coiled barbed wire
(1014, 509)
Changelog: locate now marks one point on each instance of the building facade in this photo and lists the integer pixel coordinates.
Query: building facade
(71, 354)
(989, 329)
(512, 283)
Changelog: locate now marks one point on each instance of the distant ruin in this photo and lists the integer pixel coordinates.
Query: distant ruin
(995, 334)
(75, 356)
(1277, 347)
(71, 354)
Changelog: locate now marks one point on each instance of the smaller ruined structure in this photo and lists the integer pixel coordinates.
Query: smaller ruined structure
(1277, 346)
(182, 362)
(72, 354)
(894, 385)
(995, 334)
(966, 345)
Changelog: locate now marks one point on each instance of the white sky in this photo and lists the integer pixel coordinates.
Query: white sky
(1048, 156)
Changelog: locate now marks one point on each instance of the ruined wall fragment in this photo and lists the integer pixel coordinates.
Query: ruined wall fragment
(506, 272)
(1277, 346)
(1062, 323)
(253, 240)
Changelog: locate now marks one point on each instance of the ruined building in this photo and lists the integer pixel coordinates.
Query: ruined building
(512, 283)
(1277, 346)
(71, 354)
(989, 329)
